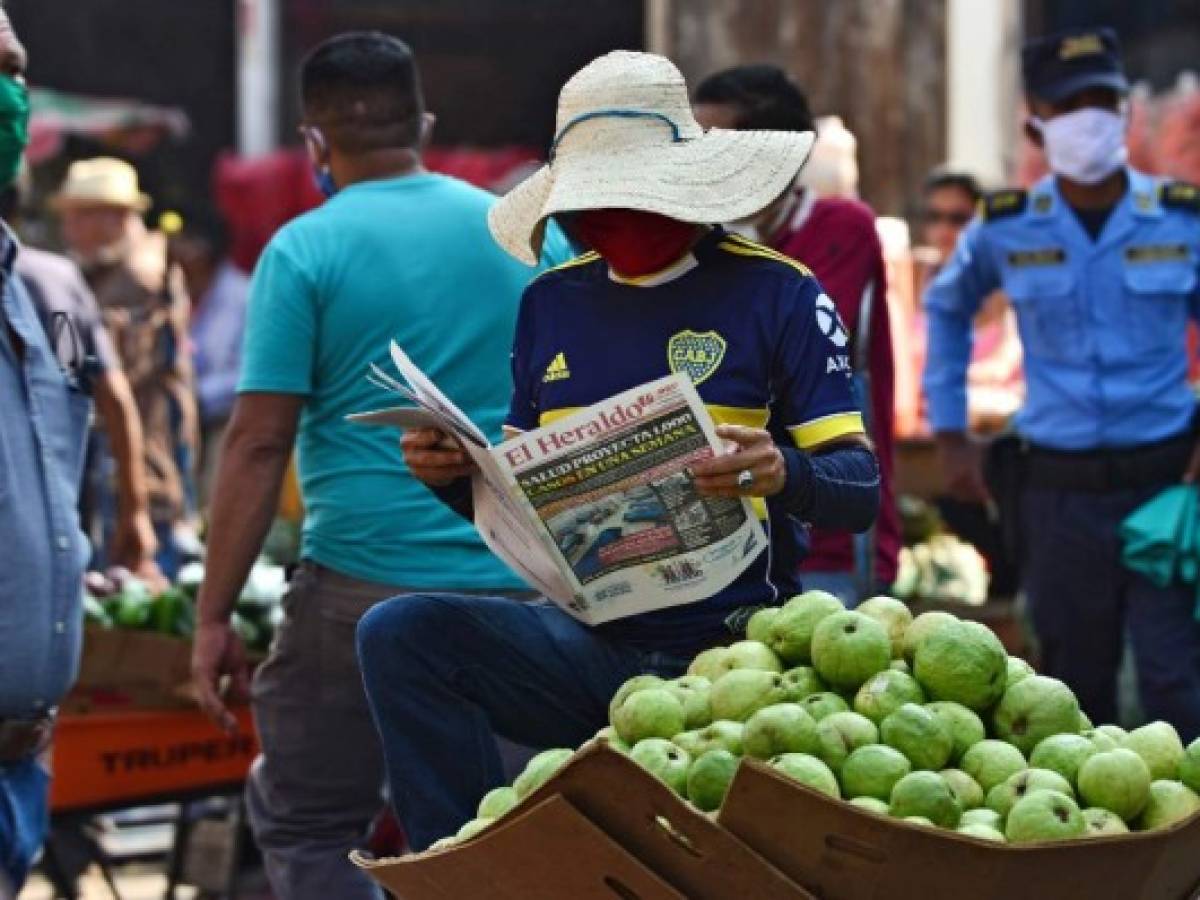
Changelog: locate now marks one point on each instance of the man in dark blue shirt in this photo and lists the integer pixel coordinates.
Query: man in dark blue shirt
(634, 178)
(42, 431)
(762, 364)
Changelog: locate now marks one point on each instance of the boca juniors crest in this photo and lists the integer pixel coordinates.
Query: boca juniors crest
(696, 354)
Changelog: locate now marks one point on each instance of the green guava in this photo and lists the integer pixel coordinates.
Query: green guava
(919, 735)
(964, 662)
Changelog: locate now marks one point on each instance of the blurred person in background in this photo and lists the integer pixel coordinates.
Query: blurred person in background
(46, 403)
(994, 380)
(951, 199)
(833, 169)
(144, 304)
(995, 385)
(59, 293)
(395, 253)
(1099, 261)
(836, 238)
(219, 291)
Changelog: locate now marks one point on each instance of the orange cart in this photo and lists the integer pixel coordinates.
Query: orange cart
(112, 760)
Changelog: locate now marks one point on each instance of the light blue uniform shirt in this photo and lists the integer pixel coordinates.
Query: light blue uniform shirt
(1102, 323)
(408, 259)
(44, 418)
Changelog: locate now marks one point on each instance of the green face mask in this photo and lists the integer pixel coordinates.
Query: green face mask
(14, 127)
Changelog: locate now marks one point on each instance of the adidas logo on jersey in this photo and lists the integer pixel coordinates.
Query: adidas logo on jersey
(557, 370)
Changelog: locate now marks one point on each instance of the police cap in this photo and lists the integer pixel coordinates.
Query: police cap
(1058, 65)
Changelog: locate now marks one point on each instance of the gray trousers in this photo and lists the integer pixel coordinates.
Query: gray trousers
(318, 784)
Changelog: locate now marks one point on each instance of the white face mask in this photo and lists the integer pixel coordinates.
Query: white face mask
(1084, 146)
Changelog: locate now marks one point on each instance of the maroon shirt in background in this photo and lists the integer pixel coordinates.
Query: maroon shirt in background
(837, 239)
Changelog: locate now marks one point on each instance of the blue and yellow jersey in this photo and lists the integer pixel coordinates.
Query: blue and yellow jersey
(761, 342)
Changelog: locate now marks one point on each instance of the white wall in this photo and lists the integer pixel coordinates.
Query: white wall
(257, 76)
(983, 86)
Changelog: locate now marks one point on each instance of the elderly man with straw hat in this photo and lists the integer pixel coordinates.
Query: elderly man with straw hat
(145, 308)
(634, 178)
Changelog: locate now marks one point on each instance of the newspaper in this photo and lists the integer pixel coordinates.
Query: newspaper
(598, 510)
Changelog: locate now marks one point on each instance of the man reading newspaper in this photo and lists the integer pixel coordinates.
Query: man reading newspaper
(633, 177)
(599, 510)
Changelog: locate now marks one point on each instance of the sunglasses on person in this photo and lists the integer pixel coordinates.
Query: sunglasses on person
(947, 217)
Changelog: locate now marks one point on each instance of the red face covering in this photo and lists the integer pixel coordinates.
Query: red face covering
(633, 242)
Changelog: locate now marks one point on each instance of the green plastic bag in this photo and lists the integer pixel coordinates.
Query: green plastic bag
(1161, 538)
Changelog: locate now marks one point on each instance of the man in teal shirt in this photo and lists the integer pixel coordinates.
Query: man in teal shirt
(398, 254)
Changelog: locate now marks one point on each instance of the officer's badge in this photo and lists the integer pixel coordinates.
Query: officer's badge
(696, 354)
(1042, 203)
(1077, 45)
(1046, 256)
(1157, 253)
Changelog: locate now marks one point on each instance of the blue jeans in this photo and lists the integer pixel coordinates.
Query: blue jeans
(24, 819)
(443, 672)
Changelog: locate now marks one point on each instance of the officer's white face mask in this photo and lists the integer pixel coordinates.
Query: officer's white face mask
(1084, 146)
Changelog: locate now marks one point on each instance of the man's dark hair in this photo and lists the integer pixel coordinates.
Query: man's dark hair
(766, 99)
(363, 89)
(949, 178)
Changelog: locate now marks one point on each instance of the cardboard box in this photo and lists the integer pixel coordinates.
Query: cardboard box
(604, 829)
(118, 759)
(123, 669)
(840, 852)
(601, 829)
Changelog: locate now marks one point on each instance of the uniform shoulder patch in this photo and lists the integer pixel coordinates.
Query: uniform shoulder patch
(1180, 195)
(1001, 204)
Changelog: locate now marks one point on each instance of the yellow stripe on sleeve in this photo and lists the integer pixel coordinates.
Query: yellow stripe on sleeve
(827, 428)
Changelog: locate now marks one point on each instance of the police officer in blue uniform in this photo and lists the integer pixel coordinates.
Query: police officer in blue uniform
(1100, 262)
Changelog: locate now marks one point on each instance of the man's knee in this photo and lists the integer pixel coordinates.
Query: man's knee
(408, 619)
(403, 627)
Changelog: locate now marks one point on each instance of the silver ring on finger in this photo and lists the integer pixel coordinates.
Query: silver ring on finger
(745, 479)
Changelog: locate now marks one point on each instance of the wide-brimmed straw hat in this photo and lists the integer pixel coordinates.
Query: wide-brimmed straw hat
(626, 138)
(101, 181)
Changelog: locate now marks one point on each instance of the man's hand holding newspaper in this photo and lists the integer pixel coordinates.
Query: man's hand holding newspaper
(435, 456)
